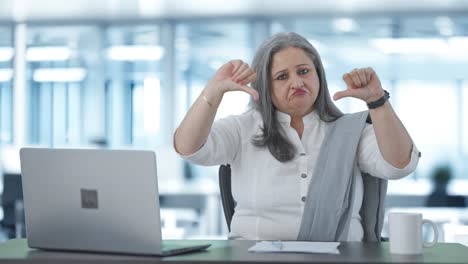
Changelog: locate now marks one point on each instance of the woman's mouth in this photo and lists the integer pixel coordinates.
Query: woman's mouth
(299, 92)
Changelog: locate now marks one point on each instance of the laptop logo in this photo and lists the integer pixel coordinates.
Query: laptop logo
(89, 199)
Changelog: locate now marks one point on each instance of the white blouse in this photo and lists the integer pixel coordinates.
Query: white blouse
(269, 194)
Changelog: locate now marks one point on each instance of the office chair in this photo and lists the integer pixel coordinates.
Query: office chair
(226, 193)
(12, 204)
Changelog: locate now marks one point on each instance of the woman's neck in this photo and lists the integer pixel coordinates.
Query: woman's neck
(298, 124)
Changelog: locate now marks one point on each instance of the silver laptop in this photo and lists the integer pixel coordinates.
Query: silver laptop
(94, 200)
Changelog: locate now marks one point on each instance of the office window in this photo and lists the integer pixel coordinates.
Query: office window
(465, 119)
(136, 85)
(61, 69)
(201, 48)
(429, 111)
(6, 84)
(146, 111)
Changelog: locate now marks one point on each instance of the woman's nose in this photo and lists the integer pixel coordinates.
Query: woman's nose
(296, 82)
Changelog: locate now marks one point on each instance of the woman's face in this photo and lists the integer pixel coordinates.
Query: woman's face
(294, 82)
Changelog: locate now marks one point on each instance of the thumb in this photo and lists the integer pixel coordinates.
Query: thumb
(341, 94)
(250, 91)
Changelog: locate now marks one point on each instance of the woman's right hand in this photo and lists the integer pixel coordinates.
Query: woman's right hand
(232, 76)
(194, 129)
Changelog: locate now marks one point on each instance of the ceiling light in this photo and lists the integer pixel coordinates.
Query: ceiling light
(345, 25)
(59, 75)
(6, 75)
(135, 53)
(6, 53)
(410, 45)
(48, 53)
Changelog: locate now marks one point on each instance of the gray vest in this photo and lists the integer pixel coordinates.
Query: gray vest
(328, 208)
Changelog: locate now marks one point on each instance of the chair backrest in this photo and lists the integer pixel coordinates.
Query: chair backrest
(226, 193)
(12, 203)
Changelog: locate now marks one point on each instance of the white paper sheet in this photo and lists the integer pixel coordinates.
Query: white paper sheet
(296, 246)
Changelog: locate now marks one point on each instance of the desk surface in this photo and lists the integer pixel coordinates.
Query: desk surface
(228, 251)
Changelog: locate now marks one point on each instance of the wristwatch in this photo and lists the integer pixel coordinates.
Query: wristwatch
(379, 102)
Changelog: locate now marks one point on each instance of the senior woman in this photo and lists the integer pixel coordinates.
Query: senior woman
(301, 170)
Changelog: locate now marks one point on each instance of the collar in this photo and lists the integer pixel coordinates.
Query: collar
(308, 119)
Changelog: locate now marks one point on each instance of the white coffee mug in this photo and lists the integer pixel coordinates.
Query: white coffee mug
(405, 230)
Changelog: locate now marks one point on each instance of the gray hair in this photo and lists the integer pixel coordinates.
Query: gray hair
(273, 135)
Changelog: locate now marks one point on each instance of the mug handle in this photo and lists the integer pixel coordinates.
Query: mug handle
(436, 233)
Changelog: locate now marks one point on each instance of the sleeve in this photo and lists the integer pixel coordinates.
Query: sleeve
(371, 161)
(221, 146)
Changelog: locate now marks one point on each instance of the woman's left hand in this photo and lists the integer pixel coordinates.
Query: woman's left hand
(363, 84)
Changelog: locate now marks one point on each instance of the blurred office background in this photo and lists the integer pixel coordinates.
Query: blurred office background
(122, 74)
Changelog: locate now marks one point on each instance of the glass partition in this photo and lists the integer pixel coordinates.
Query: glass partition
(203, 47)
(135, 85)
(62, 68)
(6, 84)
(464, 120)
(429, 111)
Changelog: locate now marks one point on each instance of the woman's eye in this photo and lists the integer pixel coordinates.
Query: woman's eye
(303, 71)
(282, 77)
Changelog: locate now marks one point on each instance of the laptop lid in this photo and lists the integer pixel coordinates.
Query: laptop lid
(91, 200)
